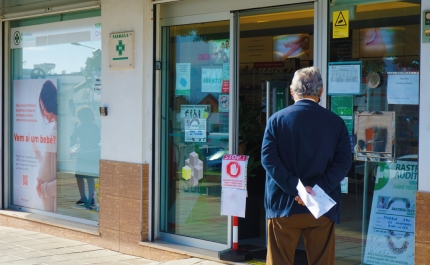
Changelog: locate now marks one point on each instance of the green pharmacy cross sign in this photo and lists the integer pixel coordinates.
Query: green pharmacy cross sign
(120, 47)
(121, 50)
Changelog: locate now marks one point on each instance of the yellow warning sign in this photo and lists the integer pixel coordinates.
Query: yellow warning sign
(340, 24)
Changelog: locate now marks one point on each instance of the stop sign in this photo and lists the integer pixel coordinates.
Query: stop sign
(233, 169)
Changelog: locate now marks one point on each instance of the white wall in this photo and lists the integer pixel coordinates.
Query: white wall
(126, 132)
(424, 140)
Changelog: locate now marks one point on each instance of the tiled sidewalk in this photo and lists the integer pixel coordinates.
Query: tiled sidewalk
(24, 247)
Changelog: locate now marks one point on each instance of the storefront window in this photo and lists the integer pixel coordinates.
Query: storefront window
(196, 86)
(373, 84)
(55, 121)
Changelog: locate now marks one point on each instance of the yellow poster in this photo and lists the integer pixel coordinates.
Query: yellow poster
(340, 24)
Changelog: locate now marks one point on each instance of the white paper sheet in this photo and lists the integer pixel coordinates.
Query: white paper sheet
(233, 202)
(318, 204)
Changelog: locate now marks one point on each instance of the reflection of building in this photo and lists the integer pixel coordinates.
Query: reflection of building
(142, 193)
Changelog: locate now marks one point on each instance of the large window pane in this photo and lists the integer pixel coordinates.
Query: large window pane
(55, 91)
(379, 195)
(195, 133)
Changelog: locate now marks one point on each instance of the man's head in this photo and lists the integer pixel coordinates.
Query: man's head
(307, 82)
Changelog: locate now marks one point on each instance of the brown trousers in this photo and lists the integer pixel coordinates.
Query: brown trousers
(284, 233)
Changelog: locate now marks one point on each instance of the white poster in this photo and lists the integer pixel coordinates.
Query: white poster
(402, 88)
(390, 237)
(212, 80)
(195, 130)
(233, 202)
(35, 144)
(344, 78)
(195, 136)
(195, 111)
(183, 79)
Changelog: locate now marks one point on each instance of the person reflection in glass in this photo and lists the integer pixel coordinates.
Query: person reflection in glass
(87, 136)
(46, 186)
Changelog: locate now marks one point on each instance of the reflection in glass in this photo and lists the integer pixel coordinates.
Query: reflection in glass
(72, 64)
(385, 37)
(195, 135)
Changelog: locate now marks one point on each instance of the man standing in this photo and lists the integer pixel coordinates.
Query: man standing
(308, 142)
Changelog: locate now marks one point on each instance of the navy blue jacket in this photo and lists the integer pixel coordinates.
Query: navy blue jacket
(308, 142)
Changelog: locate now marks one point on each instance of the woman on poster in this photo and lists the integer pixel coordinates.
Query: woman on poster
(47, 178)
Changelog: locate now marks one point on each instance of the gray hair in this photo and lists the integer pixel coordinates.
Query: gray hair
(307, 82)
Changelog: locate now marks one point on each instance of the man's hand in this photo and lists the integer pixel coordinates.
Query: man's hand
(308, 190)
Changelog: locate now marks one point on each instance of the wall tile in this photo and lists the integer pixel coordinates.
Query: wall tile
(109, 180)
(109, 239)
(109, 211)
(129, 184)
(129, 215)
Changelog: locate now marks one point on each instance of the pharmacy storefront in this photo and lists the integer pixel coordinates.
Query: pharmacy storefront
(225, 67)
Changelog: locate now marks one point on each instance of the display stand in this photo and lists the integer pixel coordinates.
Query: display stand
(233, 202)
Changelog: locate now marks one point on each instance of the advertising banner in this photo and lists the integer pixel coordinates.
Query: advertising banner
(35, 144)
(291, 46)
(390, 237)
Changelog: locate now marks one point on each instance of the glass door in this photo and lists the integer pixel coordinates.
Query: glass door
(273, 44)
(195, 131)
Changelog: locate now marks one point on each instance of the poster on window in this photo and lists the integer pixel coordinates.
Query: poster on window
(403, 88)
(212, 80)
(390, 236)
(35, 144)
(183, 79)
(374, 135)
(195, 130)
(219, 51)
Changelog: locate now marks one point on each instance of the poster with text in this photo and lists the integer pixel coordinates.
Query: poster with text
(35, 144)
(212, 80)
(390, 236)
(195, 130)
(183, 79)
(403, 88)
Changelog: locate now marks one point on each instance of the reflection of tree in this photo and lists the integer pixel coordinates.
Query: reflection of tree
(376, 65)
(194, 32)
(401, 64)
